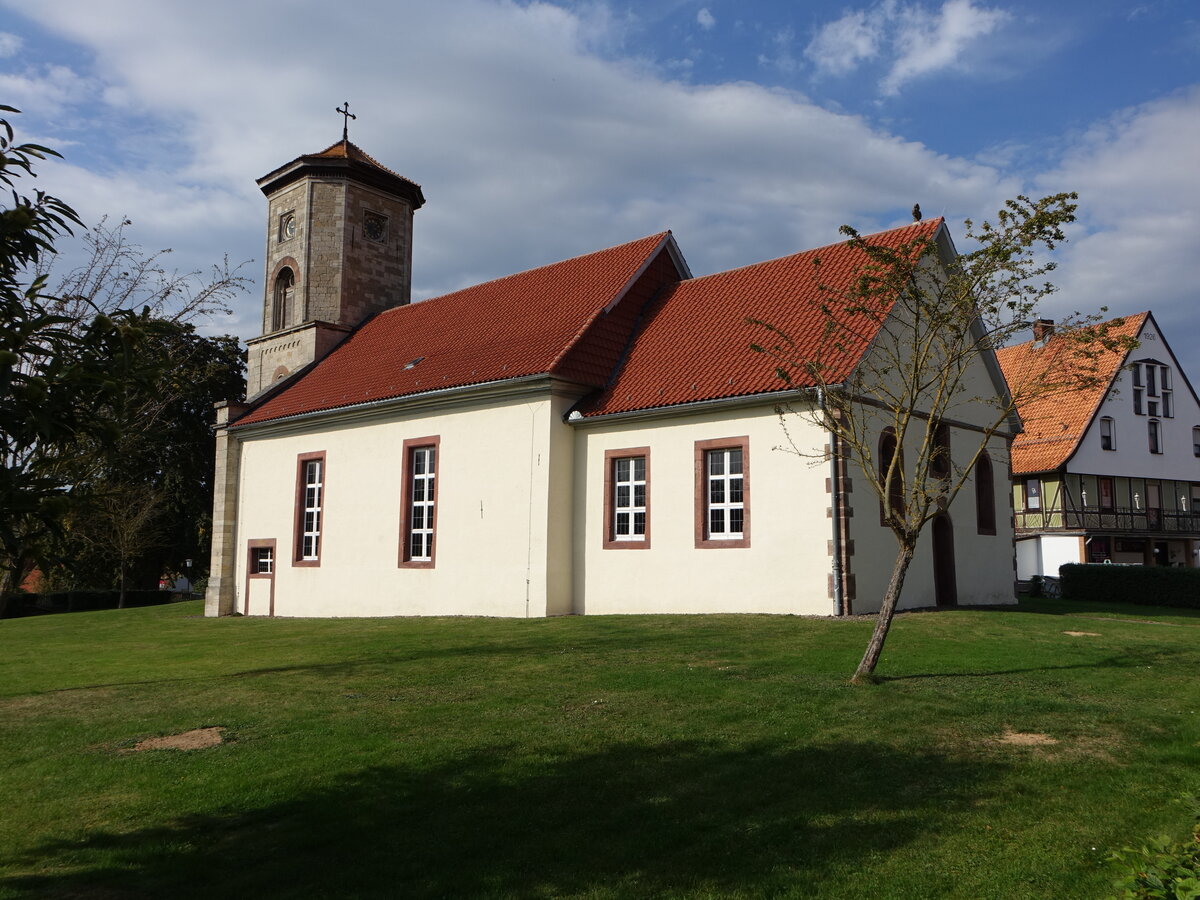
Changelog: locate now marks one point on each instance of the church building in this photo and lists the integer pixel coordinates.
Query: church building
(592, 436)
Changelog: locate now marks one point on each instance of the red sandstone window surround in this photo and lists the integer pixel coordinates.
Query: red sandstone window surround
(627, 499)
(310, 509)
(260, 563)
(418, 511)
(722, 493)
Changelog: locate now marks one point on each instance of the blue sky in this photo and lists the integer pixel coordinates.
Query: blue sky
(543, 130)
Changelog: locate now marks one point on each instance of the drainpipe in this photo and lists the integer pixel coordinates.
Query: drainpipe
(835, 491)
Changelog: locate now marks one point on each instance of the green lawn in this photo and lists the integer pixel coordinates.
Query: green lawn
(625, 756)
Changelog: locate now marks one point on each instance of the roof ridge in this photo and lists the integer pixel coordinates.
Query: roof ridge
(1124, 318)
(647, 261)
(550, 265)
(831, 246)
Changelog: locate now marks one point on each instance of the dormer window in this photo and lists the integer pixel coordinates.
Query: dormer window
(1107, 438)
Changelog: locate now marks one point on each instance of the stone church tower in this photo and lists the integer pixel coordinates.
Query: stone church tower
(339, 250)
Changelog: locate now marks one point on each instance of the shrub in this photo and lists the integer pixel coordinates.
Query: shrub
(1147, 585)
(1161, 869)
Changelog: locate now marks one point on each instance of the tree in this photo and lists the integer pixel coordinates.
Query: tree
(122, 523)
(164, 453)
(41, 386)
(119, 274)
(87, 385)
(921, 321)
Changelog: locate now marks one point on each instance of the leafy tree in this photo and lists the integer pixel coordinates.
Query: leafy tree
(162, 457)
(96, 399)
(921, 320)
(43, 387)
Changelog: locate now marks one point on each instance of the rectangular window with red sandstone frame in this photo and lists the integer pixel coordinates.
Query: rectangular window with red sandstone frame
(418, 517)
(310, 507)
(722, 493)
(627, 499)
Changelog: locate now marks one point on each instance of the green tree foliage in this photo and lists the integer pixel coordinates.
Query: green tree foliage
(145, 505)
(99, 404)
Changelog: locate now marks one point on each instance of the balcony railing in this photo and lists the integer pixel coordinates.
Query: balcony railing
(1112, 520)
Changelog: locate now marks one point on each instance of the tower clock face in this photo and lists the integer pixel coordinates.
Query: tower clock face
(287, 229)
(375, 227)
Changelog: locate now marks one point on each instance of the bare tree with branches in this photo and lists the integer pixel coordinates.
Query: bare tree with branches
(922, 322)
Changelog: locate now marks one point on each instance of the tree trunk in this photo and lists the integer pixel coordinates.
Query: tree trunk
(886, 612)
(121, 602)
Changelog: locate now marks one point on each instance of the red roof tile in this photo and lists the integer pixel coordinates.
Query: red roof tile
(341, 158)
(1055, 422)
(696, 341)
(547, 320)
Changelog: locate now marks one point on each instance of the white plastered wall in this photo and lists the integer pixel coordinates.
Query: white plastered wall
(1043, 554)
(1132, 455)
(984, 572)
(494, 480)
(983, 562)
(784, 570)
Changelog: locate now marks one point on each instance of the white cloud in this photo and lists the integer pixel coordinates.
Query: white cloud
(912, 40)
(10, 44)
(49, 90)
(838, 48)
(1135, 245)
(782, 59)
(705, 19)
(928, 43)
(529, 146)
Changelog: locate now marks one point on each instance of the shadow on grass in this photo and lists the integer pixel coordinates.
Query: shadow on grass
(1140, 659)
(1057, 606)
(676, 818)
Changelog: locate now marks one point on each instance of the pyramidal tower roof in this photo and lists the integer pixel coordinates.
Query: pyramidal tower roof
(346, 160)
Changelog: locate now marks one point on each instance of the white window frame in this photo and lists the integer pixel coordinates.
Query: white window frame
(625, 486)
(1033, 498)
(262, 559)
(725, 483)
(421, 502)
(313, 500)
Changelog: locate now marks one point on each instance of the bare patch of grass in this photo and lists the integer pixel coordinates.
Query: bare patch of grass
(196, 739)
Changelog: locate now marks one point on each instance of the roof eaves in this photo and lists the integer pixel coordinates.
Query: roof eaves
(574, 417)
(437, 395)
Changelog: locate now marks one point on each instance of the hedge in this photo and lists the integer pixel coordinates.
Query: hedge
(1147, 585)
(13, 606)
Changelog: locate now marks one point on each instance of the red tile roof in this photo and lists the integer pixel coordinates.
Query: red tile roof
(696, 341)
(1055, 422)
(341, 158)
(547, 320)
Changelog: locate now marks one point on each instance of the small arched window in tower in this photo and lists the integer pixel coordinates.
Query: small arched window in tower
(985, 496)
(281, 306)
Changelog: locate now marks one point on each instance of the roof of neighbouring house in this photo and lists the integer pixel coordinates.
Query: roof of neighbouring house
(549, 320)
(628, 322)
(1055, 421)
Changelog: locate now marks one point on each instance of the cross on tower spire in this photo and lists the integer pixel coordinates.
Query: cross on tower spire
(347, 116)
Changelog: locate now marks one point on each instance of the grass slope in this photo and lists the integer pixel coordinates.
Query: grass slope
(702, 756)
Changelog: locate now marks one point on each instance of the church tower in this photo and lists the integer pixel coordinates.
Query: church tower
(339, 250)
